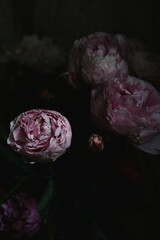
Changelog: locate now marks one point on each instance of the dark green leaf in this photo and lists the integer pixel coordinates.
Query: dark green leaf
(3, 133)
(14, 188)
(45, 201)
(51, 231)
(12, 157)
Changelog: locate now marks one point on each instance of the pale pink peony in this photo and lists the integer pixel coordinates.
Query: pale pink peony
(19, 217)
(129, 107)
(40, 135)
(95, 143)
(97, 58)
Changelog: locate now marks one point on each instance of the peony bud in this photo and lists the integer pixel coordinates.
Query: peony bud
(96, 143)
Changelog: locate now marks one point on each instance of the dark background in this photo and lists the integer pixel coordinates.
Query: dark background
(134, 214)
(67, 20)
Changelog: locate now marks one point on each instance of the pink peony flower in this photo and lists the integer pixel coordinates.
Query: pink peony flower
(40, 135)
(96, 143)
(129, 107)
(19, 217)
(97, 58)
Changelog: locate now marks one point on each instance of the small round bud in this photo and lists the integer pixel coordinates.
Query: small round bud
(96, 143)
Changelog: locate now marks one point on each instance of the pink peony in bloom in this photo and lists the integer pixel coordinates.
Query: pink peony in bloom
(130, 107)
(97, 58)
(40, 135)
(19, 217)
(96, 143)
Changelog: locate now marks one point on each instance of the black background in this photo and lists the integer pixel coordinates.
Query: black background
(133, 211)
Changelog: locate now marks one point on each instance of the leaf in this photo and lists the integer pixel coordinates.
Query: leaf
(51, 230)
(14, 188)
(3, 133)
(45, 201)
(12, 157)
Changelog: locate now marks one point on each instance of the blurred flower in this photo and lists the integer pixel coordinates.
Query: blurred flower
(97, 58)
(40, 135)
(129, 107)
(123, 44)
(19, 217)
(96, 143)
(128, 168)
(37, 54)
(142, 62)
(45, 94)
